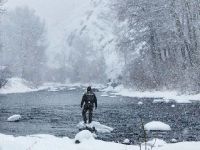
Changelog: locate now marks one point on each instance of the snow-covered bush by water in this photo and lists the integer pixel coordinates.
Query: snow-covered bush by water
(157, 126)
(16, 85)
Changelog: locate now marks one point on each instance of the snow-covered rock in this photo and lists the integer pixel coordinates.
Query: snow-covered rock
(173, 141)
(14, 118)
(84, 135)
(172, 106)
(157, 126)
(126, 141)
(98, 126)
(140, 103)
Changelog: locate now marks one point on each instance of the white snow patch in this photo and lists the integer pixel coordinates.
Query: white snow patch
(104, 95)
(2, 67)
(157, 126)
(17, 85)
(182, 146)
(14, 118)
(98, 86)
(140, 103)
(173, 106)
(166, 96)
(84, 135)
(98, 126)
(161, 100)
(53, 89)
(49, 142)
(126, 141)
(156, 143)
(72, 88)
(112, 96)
(54, 86)
(173, 140)
(110, 89)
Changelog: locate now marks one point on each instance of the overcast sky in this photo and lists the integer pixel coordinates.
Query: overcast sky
(53, 11)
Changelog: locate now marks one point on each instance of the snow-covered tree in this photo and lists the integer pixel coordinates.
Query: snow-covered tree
(86, 64)
(24, 43)
(160, 43)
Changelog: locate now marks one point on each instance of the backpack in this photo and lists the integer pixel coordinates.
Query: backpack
(90, 99)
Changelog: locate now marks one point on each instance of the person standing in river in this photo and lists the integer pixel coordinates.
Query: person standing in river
(88, 101)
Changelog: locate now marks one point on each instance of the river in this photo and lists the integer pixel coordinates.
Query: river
(58, 113)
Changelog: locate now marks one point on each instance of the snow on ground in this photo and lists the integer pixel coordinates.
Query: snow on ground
(174, 140)
(157, 126)
(104, 95)
(166, 96)
(140, 103)
(160, 100)
(84, 135)
(72, 88)
(156, 143)
(172, 106)
(113, 96)
(14, 118)
(126, 141)
(17, 85)
(98, 126)
(181, 146)
(54, 86)
(49, 142)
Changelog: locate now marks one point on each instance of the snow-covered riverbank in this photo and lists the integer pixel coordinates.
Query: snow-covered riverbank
(164, 96)
(49, 142)
(18, 85)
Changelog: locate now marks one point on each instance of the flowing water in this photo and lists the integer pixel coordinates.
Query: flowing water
(58, 113)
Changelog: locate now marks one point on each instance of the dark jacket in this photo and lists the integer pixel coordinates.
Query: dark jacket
(89, 99)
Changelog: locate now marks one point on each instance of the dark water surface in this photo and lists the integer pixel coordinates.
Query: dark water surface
(58, 113)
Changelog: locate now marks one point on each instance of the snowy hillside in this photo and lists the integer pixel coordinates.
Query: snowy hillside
(76, 19)
(97, 23)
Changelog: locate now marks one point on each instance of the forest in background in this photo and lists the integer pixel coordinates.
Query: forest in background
(160, 43)
(157, 43)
